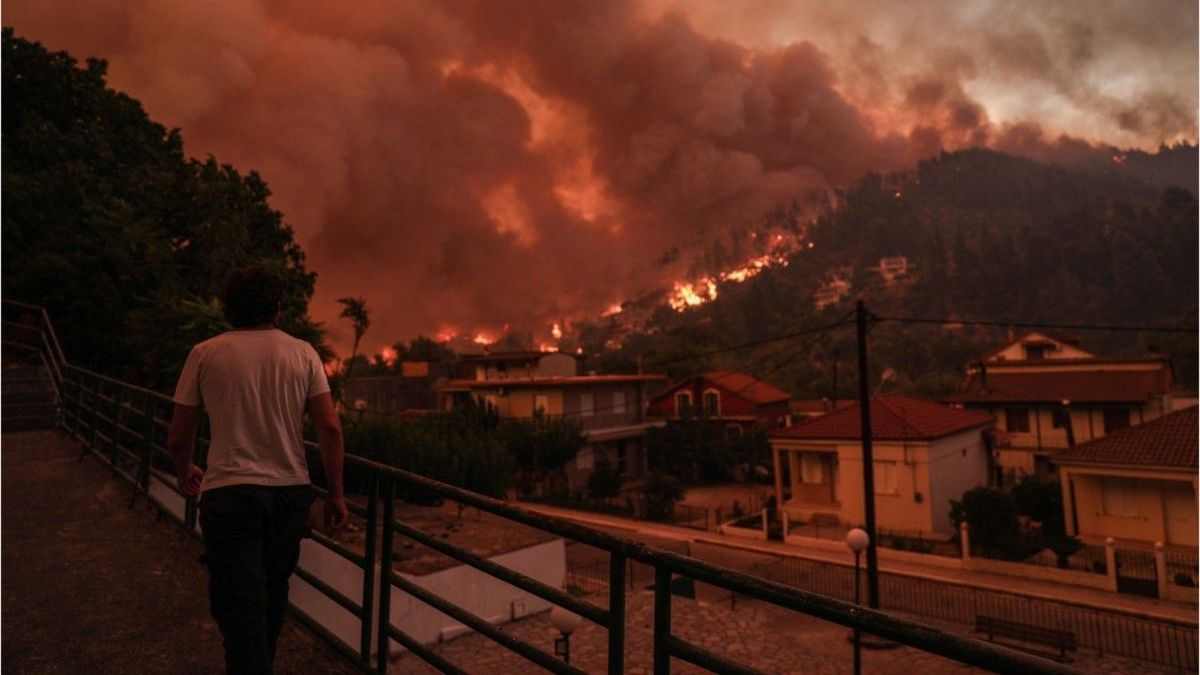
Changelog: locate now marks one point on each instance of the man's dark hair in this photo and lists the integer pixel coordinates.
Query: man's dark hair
(252, 296)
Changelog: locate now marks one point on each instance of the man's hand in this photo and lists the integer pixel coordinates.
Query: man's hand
(336, 514)
(188, 481)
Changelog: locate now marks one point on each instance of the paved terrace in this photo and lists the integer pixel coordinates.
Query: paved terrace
(91, 586)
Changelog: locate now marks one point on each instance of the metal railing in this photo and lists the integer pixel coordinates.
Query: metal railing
(125, 425)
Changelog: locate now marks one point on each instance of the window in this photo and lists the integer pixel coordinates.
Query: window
(885, 478)
(1060, 418)
(1115, 418)
(683, 403)
(812, 468)
(1120, 497)
(541, 404)
(1035, 351)
(1016, 419)
(489, 401)
(622, 458)
(712, 402)
(618, 402)
(587, 405)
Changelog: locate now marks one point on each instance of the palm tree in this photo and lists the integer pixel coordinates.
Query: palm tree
(356, 310)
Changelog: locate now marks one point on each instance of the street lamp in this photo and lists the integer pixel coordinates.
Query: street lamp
(858, 540)
(566, 623)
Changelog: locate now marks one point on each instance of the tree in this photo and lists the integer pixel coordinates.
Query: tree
(991, 515)
(125, 241)
(356, 310)
(661, 492)
(540, 447)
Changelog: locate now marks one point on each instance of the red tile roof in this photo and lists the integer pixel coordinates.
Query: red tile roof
(754, 390)
(893, 417)
(808, 406)
(558, 381)
(1098, 384)
(1168, 441)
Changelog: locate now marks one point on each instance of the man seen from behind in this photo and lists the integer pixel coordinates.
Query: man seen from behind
(255, 383)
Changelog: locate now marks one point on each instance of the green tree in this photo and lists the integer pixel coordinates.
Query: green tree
(109, 226)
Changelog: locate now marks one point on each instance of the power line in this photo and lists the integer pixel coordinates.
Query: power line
(843, 321)
(1031, 324)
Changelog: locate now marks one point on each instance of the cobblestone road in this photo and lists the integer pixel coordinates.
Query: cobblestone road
(757, 634)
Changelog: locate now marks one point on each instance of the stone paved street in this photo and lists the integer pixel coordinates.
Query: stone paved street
(766, 637)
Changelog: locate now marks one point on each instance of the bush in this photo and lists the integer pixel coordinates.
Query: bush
(661, 492)
(605, 480)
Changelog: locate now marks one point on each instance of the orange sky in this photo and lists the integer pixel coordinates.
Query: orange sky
(468, 165)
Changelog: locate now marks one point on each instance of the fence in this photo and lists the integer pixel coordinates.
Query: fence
(1059, 552)
(1108, 632)
(1181, 567)
(124, 424)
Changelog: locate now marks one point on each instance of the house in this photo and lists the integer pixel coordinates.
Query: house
(413, 389)
(610, 410)
(1134, 484)
(924, 454)
(519, 365)
(1047, 394)
(737, 401)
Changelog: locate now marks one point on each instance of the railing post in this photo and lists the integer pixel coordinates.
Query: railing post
(95, 414)
(368, 585)
(1110, 561)
(385, 576)
(143, 474)
(616, 614)
(662, 620)
(964, 533)
(115, 432)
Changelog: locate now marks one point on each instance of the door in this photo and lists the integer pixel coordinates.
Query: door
(1179, 514)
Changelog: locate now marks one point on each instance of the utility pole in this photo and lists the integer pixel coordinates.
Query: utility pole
(864, 410)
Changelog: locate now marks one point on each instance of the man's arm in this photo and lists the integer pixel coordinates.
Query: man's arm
(181, 442)
(329, 441)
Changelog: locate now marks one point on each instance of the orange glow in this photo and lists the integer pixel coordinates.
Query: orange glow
(546, 347)
(446, 334)
(332, 367)
(693, 294)
(388, 356)
(614, 308)
(556, 331)
(508, 212)
(484, 339)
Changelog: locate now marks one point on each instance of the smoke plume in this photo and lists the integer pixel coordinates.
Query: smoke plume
(469, 165)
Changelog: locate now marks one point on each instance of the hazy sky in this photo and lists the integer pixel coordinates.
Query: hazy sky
(468, 165)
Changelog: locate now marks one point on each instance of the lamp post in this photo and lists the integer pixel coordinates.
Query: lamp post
(566, 623)
(858, 540)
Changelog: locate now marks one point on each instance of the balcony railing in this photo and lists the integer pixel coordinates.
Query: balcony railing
(126, 425)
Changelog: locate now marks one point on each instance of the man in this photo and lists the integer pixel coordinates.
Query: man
(255, 382)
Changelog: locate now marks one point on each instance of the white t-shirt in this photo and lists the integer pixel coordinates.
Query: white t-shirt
(254, 385)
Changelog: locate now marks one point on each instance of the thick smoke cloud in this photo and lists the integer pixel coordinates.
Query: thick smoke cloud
(471, 165)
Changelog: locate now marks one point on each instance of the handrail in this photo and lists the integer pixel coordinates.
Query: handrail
(107, 426)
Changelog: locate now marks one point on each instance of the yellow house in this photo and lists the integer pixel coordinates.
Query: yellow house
(1046, 394)
(924, 454)
(609, 409)
(1137, 484)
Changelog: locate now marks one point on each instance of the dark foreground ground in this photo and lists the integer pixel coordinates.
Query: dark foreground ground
(90, 586)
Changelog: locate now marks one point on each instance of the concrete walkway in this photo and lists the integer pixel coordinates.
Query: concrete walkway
(91, 586)
(1148, 607)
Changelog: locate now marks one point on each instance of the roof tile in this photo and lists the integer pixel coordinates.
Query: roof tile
(893, 417)
(1168, 441)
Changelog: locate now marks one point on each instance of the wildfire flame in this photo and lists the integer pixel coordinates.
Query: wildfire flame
(446, 334)
(557, 332)
(614, 308)
(388, 355)
(684, 295)
(546, 347)
(483, 339)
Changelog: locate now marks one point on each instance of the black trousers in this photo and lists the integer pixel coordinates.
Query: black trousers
(252, 539)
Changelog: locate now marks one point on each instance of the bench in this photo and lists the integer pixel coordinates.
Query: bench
(1002, 631)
